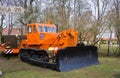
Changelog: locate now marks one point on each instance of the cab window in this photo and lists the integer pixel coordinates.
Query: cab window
(47, 29)
(29, 29)
(54, 29)
(40, 29)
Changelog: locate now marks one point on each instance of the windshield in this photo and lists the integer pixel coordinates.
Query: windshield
(40, 29)
(50, 29)
(54, 29)
(47, 29)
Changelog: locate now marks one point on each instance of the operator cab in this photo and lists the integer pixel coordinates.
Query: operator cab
(37, 31)
(39, 27)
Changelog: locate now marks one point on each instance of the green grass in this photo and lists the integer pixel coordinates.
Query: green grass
(109, 67)
(104, 49)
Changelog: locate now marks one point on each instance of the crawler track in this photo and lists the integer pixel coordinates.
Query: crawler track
(36, 57)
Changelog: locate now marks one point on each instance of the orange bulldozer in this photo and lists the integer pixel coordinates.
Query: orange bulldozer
(43, 46)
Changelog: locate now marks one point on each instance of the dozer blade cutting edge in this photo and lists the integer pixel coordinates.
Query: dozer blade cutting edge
(67, 59)
(77, 57)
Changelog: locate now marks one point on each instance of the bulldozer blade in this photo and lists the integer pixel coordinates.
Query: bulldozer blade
(71, 58)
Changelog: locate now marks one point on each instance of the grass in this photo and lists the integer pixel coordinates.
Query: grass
(109, 67)
(104, 49)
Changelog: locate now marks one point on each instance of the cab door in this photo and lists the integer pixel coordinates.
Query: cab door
(32, 35)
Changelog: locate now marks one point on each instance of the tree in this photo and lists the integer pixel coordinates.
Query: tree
(2, 18)
(80, 18)
(31, 13)
(59, 12)
(116, 7)
(99, 12)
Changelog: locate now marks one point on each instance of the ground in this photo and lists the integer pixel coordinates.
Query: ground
(109, 67)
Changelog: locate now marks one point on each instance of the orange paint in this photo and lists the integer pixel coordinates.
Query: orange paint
(45, 37)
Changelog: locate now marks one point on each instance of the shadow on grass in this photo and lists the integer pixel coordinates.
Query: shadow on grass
(8, 56)
(117, 75)
(101, 54)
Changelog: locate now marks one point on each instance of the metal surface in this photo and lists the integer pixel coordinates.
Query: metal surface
(30, 56)
(67, 59)
(76, 57)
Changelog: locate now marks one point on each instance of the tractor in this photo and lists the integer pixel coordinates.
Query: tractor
(43, 45)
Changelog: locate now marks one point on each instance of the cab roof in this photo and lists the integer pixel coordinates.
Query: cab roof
(42, 24)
